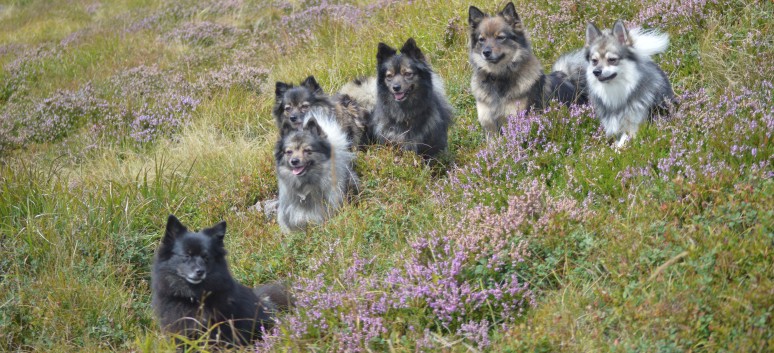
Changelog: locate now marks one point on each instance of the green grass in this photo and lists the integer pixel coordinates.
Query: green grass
(675, 260)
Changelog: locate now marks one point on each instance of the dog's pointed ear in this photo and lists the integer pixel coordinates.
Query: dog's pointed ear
(280, 88)
(592, 33)
(286, 129)
(411, 49)
(174, 229)
(475, 16)
(313, 127)
(510, 16)
(620, 33)
(217, 231)
(312, 84)
(384, 52)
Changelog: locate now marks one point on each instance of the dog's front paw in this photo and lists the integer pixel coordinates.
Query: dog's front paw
(621, 142)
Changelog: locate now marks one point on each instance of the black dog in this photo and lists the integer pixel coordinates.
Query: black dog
(194, 293)
(411, 107)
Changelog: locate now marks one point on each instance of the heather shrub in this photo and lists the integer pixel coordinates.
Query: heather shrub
(62, 113)
(680, 150)
(50, 120)
(140, 104)
(162, 120)
(528, 145)
(305, 23)
(154, 103)
(685, 16)
(9, 134)
(203, 33)
(238, 75)
(463, 280)
(170, 12)
(743, 117)
(144, 84)
(10, 84)
(23, 71)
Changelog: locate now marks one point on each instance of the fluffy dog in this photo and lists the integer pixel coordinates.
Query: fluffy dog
(293, 102)
(194, 293)
(410, 110)
(626, 87)
(507, 76)
(314, 171)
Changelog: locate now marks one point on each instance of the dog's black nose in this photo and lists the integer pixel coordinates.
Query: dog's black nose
(597, 72)
(295, 161)
(487, 52)
(199, 273)
(396, 88)
(293, 118)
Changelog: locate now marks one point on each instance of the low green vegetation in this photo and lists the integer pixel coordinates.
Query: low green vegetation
(115, 114)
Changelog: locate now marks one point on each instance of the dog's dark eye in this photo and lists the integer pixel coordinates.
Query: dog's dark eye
(408, 74)
(308, 151)
(287, 108)
(389, 75)
(500, 37)
(612, 61)
(594, 62)
(481, 39)
(288, 152)
(305, 107)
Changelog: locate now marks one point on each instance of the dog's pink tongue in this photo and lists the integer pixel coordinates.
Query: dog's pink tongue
(297, 171)
(399, 95)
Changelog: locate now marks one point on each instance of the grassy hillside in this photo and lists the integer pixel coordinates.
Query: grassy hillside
(115, 114)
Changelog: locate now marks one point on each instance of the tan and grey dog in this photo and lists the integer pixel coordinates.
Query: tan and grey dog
(507, 76)
(293, 102)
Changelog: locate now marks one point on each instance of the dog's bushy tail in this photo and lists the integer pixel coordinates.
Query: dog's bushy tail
(340, 144)
(572, 64)
(362, 91)
(353, 118)
(275, 295)
(646, 43)
(568, 78)
(334, 133)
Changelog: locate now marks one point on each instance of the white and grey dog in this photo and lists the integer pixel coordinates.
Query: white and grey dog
(314, 171)
(625, 86)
